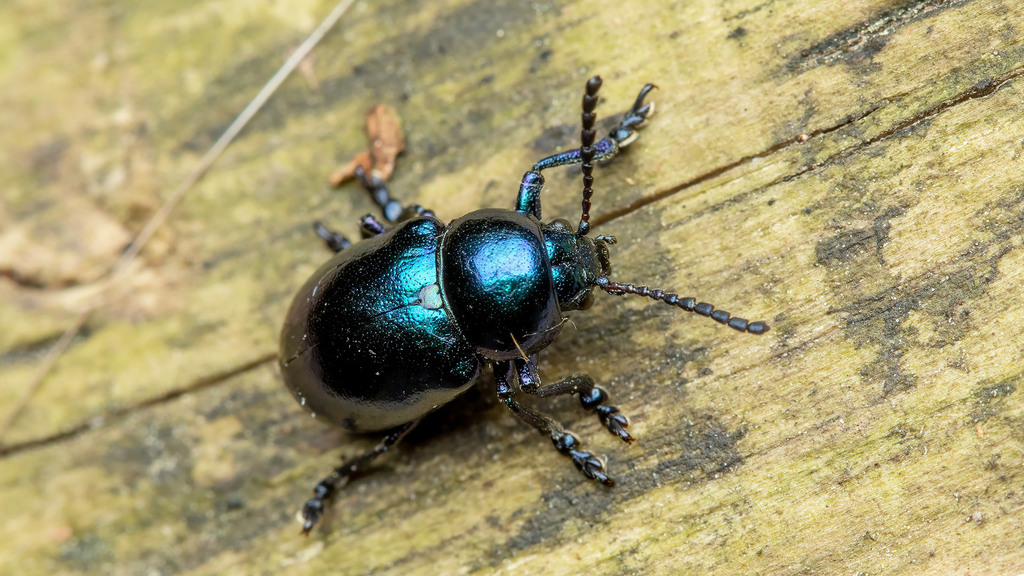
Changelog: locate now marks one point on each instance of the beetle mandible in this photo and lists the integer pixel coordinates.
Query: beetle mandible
(404, 321)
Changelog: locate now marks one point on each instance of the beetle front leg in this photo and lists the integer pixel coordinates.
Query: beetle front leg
(326, 488)
(592, 397)
(604, 150)
(565, 442)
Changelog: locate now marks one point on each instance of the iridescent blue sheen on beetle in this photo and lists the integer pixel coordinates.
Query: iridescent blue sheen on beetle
(375, 362)
(401, 323)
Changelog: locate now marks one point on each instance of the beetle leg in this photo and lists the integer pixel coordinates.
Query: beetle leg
(335, 241)
(326, 488)
(371, 227)
(393, 210)
(604, 150)
(565, 442)
(592, 397)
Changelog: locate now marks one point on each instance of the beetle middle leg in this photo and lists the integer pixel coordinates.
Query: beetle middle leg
(326, 488)
(592, 397)
(565, 442)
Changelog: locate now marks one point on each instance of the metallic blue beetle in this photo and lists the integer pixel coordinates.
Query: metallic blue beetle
(399, 324)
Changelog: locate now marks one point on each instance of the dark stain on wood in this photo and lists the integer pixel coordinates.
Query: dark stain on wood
(989, 399)
(857, 45)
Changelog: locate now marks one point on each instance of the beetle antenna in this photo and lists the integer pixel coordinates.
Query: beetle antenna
(587, 151)
(688, 304)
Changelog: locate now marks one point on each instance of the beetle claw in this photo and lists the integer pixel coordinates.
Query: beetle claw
(591, 466)
(615, 423)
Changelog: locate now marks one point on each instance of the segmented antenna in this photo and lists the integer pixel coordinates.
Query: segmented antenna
(688, 304)
(587, 151)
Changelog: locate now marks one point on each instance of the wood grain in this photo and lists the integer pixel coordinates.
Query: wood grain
(849, 171)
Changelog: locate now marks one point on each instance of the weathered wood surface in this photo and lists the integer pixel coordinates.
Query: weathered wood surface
(849, 170)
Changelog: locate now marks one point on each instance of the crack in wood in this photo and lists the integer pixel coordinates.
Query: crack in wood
(99, 421)
(705, 177)
(982, 89)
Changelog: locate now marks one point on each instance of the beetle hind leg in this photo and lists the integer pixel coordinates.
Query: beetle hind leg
(334, 240)
(394, 211)
(567, 443)
(592, 397)
(314, 507)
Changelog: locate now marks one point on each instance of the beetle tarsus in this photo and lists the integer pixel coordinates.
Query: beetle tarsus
(592, 397)
(637, 116)
(615, 422)
(371, 227)
(314, 507)
(334, 240)
(393, 210)
(589, 465)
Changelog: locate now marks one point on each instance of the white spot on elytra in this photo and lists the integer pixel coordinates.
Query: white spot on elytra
(430, 297)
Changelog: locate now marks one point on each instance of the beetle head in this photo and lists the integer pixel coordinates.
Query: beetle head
(576, 263)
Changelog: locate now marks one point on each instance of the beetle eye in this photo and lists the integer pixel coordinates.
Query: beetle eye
(560, 225)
